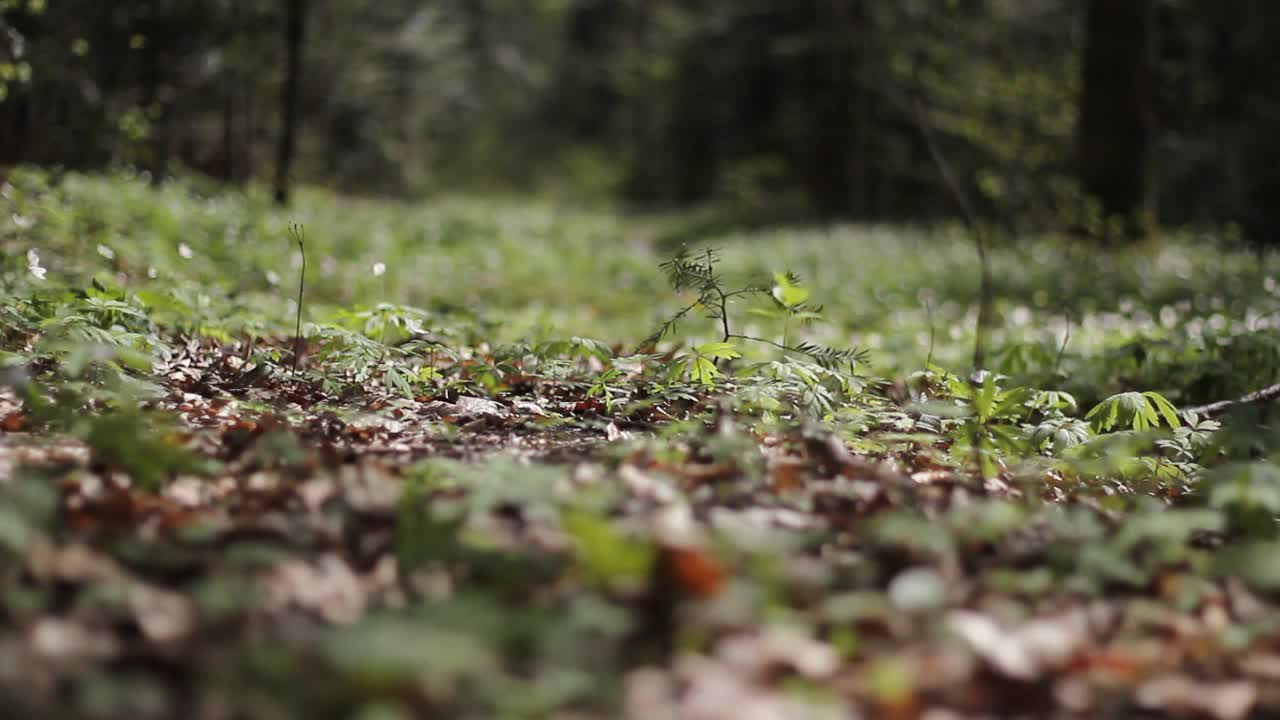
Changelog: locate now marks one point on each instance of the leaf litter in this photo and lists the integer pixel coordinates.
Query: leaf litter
(453, 557)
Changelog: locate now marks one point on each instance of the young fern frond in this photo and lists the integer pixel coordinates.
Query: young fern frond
(833, 358)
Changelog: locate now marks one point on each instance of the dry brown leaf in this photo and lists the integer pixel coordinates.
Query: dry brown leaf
(1182, 694)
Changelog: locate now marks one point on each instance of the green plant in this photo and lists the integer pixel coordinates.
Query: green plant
(1141, 411)
(989, 430)
(790, 304)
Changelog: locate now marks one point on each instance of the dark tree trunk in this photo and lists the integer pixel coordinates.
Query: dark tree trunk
(839, 173)
(644, 178)
(156, 152)
(15, 129)
(1115, 105)
(693, 134)
(230, 87)
(294, 36)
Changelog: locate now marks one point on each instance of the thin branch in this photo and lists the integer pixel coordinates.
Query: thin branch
(1062, 350)
(1217, 408)
(778, 345)
(985, 299)
(714, 284)
(933, 333)
(299, 236)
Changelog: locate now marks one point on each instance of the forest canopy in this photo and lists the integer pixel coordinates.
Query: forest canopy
(1054, 112)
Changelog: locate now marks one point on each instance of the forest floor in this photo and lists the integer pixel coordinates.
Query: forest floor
(472, 483)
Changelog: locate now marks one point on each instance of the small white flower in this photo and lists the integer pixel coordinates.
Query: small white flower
(273, 277)
(106, 252)
(379, 269)
(151, 273)
(184, 250)
(33, 264)
(23, 222)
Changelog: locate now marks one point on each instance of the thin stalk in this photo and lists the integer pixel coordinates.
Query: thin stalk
(299, 236)
(985, 292)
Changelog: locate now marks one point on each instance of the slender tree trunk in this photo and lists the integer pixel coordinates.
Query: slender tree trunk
(863, 172)
(156, 109)
(230, 87)
(838, 176)
(641, 184)
(1115, 105)
(295, 33)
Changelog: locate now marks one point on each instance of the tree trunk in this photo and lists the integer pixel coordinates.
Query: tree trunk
(294, 35)
(1115, 105)
(643, 178)
(230, 87)
(839, 174)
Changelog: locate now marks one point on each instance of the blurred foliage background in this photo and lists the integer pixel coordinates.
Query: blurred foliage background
(1055, 113)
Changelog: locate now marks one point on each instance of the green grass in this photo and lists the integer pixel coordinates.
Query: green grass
(536, 272)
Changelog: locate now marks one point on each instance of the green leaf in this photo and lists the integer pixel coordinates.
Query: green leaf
(787, 292)
(606, 555)
(1158, 402)
(704, 371)
(769, 313)
(399, 380)
(718, 351)
(1257, 564)
(1141, 411)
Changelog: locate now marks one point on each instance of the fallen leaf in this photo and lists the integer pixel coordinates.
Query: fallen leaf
(697, 572)
(1181, 694)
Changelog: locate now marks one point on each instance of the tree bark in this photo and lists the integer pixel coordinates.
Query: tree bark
(1115, 105)
(294, 36)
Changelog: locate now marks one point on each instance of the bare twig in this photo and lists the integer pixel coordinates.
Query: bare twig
(766, 341)
(298, 234)
(933, 333)
(1217, 408)
(724, 300)
(975, 228)
(1062, 349)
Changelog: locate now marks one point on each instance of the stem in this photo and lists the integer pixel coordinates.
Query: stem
(724, 316)
(778, 345)
(299, 236)
(985, 299)
(933, 334)
(724, 299)
(1062, 350)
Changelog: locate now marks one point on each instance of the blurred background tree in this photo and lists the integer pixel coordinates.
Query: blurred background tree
(1054, 112)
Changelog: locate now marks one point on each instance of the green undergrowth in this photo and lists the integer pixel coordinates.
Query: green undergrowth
(1182, 314)
(511, 458)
